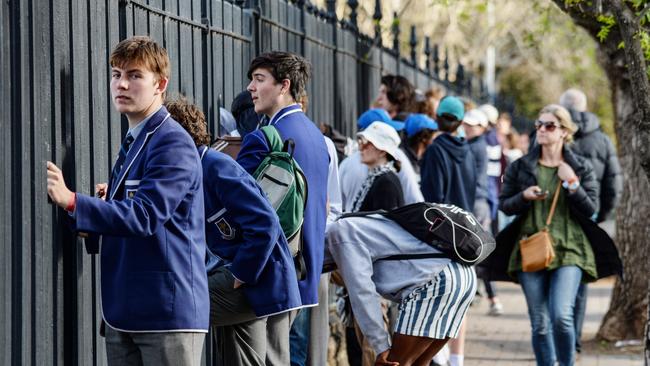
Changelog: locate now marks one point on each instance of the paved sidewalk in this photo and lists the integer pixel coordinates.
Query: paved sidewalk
(505, 340)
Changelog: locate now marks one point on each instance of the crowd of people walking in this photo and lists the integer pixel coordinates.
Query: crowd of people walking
(248, 245)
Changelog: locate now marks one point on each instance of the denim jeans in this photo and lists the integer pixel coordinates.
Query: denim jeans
(299, 338)
(579, 313)
(551, 296)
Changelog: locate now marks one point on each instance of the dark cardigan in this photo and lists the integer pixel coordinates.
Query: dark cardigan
(522, 174)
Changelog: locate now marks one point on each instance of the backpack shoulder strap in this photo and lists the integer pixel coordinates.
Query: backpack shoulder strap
(401, 257)
(273, 138)
(362, 214)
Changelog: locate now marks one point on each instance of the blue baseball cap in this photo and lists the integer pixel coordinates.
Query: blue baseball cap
(417, 122)
(377, 115)
(452, 106)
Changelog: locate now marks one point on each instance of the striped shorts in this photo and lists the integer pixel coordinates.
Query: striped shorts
(437, 308)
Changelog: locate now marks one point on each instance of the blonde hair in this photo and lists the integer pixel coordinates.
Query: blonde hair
(141, 50)
(564, 117)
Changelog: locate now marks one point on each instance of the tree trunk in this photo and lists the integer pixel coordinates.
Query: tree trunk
(625, 68)
(626, 317)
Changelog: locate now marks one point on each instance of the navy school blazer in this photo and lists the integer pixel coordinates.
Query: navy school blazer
(243, 229)
(311, 154)
(153, 234)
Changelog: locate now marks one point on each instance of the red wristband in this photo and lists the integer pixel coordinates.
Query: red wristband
(73, 202)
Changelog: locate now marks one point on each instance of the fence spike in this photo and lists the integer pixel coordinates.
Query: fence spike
(331, 9)
(413, 42)
(427, 53)
(376, 17)
(445, 65)
(396, 32)
(436, 62)
(353, 4)
(460, 78)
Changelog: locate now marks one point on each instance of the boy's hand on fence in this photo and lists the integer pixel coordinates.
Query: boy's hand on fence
(56, 188)
(100, 190)
(382, 359)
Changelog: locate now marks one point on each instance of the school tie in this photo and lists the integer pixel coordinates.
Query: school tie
(124, 149)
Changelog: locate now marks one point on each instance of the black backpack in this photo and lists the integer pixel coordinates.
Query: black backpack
(448, 228)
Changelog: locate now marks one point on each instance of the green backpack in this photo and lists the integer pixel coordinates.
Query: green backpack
(285, 186)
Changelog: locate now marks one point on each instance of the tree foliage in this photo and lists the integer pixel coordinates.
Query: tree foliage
(535, 43)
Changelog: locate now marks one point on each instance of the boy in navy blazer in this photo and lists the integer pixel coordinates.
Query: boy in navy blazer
(278, 80)
(251, 274)
(150, 216)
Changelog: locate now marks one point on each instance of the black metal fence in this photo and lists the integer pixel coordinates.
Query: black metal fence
(55, 105)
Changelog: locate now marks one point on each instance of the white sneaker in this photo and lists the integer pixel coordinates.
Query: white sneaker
(496, 309)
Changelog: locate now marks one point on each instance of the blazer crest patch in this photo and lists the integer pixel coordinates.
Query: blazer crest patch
(227, 231)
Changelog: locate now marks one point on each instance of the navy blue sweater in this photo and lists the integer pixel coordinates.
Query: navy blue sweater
(478, 146)
(449, 172)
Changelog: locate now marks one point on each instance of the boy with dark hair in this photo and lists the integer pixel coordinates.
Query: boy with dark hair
(154, 291)
(448, 167)
(246, 245)
(277, 82)
(449, 176)
(396, 96)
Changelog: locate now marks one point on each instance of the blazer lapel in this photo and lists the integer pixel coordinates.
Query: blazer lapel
(136, 148)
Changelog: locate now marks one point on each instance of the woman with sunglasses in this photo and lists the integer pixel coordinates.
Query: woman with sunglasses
(382, 189)
(583, 252)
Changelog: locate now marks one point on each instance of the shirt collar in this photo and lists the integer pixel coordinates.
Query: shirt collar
(279, 113)
(135, 131)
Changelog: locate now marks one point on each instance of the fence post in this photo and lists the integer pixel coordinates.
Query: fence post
(413, 42)
(445, 66)
(254, 12)
(436, 62)
(427, 53)
(353, 4)
(333, 20)
(460, 78)
(396, 31)
(376, 17)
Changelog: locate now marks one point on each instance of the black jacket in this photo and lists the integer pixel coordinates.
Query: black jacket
(384, 194)
(592, 143)
(522, 174)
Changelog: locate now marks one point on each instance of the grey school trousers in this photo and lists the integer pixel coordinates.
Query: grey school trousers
(243, 339)
(160, 349)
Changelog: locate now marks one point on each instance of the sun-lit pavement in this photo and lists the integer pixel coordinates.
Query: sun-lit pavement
(505, 340)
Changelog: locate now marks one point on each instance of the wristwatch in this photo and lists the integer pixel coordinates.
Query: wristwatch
(572, 185)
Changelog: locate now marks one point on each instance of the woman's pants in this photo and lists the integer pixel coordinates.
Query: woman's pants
(550, 296)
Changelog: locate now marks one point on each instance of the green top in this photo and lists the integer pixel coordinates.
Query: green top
(570, 242)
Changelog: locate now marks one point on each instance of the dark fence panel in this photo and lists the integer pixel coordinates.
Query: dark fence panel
(6, 224)
(55, 101)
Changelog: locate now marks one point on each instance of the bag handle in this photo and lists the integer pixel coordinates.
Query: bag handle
(453, 233)
(555, 198)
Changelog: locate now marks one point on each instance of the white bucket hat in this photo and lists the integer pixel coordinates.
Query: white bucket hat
(382, 136)
(476, 117)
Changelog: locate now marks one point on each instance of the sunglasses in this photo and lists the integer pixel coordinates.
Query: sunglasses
(549, 126)
(362, 141)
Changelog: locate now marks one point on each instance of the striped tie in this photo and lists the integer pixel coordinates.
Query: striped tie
(124, 149)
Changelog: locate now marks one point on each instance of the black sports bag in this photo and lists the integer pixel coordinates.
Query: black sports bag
(448, 228)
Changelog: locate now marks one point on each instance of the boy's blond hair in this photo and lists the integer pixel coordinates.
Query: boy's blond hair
(141, 50)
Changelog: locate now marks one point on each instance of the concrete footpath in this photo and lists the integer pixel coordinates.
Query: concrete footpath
(505, 340)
